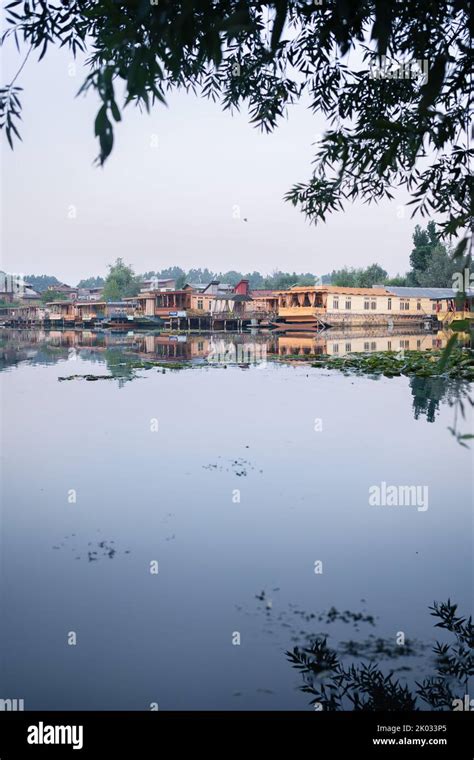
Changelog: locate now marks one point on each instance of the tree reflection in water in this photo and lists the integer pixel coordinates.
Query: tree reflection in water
(429, 392)
(334, 686)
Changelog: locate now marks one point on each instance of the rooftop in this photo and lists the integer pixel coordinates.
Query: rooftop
(432, 293)
(337, 289)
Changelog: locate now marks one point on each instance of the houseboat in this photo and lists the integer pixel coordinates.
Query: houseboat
(322, 306)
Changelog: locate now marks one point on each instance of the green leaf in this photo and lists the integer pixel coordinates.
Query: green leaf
(281, 8)
(115, 110)
(447, 353)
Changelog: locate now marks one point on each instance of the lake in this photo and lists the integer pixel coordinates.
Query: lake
(167, 535)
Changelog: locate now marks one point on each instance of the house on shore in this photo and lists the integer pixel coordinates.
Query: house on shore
(214, 305)
(14, 288)
(64, 290)
(314, 307)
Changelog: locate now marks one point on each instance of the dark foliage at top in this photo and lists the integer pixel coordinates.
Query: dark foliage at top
(392, 121)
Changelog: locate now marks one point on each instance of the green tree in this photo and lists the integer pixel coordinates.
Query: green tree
(387, 126)
(41, 282)
(232, 277)
(203, 276)
(439, 269)
(120, 282)
(425, 242)
(359, 278)
(372, 275)
(345, 277)
(52, 295)
(399, 279)
(91, 282)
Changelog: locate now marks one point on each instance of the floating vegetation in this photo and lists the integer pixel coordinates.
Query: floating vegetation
(334, 686)
(95, 550)
(160, 365)
(459, 363)
(87, 377)
(239, 467)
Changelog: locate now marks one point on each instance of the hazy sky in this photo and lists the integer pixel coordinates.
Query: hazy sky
(172, 204)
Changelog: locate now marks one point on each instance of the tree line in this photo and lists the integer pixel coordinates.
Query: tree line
(432, 265)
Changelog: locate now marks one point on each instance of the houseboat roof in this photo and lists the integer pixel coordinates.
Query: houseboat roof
(91, 304)
(433, 293)
(153, 293)
(200, 286)
(337, 289)
(237, 297)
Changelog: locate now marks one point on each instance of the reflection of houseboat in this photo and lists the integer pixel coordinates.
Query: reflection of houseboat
(340, 342)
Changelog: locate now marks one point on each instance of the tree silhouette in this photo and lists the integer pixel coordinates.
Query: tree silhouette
(401, 97)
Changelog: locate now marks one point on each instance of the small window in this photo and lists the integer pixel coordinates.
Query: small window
(201, 345)
(433, 306)
(418, 343)
(348, 304)
(367, 304)
(335, 303)
(418, 305)
(366, 346)
(200, 303)
(336, 348)
(209, 305)
(389, 345)
(373, 304)
(389, 304)
(373, 346)
(348, 348)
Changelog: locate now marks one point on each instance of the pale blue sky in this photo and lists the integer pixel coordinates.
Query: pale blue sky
(171, 204)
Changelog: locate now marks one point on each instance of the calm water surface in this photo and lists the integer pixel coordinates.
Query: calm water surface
(236, 496)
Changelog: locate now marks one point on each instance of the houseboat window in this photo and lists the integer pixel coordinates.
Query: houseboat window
(389, 304)
(366, 304)
(373, 304)
(200, 303)
(348, 304)
(335, 303)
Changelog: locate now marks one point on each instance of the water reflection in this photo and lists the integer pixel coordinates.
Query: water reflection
(337, 681)
(123, 352)
(42, 346)
(170, 498)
